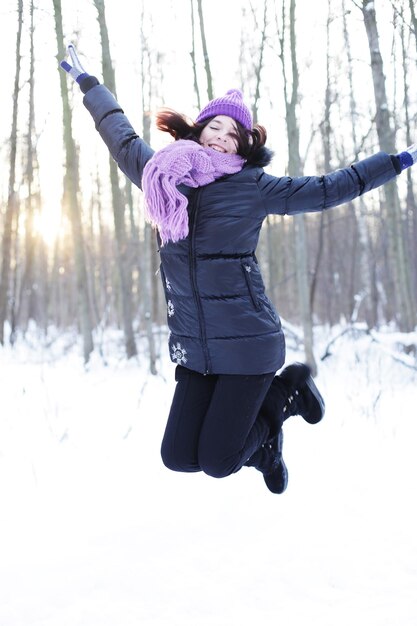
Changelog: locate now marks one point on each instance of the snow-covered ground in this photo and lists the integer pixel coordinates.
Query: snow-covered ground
(94, 531)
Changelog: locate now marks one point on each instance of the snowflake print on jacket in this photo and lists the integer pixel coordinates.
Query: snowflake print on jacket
(171, 308)
(178, 354)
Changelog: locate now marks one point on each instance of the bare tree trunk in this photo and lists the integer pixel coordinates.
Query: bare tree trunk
(70, 199)
(117, 199)
(104, 246)
(413, 17)
(12, 201)
(134, 246)
(149, 235)
(295, 169)
(259, 66)
(205, 51)
(193, 60)
(93, 264)
(15, 278)
(370, 299)
(251, 66)
(326, 218)
(29, 306)
(411, 220)
(406, 310)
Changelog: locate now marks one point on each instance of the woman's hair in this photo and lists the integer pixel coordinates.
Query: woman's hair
(181, 127)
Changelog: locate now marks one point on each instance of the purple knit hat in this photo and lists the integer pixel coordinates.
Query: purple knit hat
(230, 104)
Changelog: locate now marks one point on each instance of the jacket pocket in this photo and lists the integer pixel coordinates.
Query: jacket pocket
(269, 309)
(247, 271)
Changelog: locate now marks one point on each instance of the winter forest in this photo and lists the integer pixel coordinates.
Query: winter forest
(94, 530)
(332, 83)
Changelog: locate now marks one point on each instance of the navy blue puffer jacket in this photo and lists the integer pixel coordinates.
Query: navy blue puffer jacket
(220, 318)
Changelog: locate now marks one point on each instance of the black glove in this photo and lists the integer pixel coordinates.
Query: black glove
(77, 72)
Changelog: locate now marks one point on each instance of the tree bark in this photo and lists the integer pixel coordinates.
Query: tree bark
(149, 236)
(413, 18)
(70, 198)
(259, 66)
(366, 262)
(411, 218)
(124, 268)
(205, 51)
(406, 311)
(295, 169)
(12, 200)
(193, 57)
(31, 305)
(326, 217)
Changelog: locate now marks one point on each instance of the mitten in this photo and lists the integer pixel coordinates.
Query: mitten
(408, 157)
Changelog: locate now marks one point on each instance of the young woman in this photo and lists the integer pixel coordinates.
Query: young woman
(207, 195)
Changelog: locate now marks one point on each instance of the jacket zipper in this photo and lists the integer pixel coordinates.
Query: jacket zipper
(193, 272)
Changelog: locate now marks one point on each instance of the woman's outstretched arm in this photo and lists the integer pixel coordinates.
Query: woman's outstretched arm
(129, 151)
(304, 194)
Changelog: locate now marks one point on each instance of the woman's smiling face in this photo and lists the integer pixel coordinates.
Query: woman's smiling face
(220, 134)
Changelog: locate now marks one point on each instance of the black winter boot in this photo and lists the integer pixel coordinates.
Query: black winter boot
(303, 396)
(276, 475)
(292, 392)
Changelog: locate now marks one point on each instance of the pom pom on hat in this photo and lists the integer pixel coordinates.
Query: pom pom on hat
(230, 104)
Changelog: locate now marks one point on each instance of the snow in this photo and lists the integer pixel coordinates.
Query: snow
(94, 531)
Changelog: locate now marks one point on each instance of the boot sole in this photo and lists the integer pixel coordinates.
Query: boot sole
(315, 415)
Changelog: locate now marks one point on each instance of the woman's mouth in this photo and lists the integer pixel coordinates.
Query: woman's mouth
(214, 146)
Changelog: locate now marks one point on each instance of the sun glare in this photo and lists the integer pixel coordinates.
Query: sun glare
(48, 224)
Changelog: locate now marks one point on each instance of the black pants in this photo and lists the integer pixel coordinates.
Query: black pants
(216, 423)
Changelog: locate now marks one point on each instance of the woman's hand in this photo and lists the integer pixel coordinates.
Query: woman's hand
(412, 151)
(77, 72)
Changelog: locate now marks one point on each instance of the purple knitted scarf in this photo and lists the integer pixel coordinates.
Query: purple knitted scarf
(182, 162)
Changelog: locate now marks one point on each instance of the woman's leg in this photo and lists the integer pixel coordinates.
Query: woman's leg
(293, 392)
(232, 429)
(190, 403)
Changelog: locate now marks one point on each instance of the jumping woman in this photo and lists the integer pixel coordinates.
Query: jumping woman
(207, 195)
